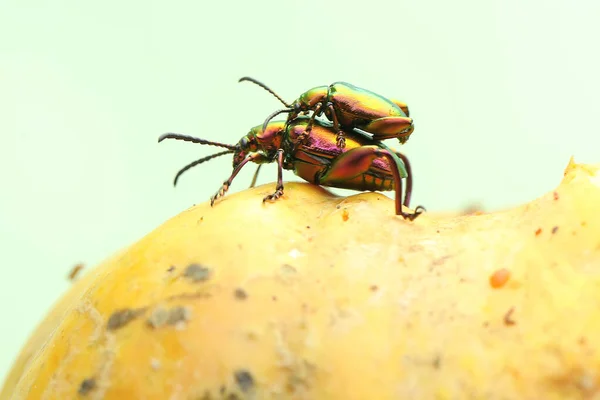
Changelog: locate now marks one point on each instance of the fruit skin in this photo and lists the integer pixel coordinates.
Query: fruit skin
(318, 296)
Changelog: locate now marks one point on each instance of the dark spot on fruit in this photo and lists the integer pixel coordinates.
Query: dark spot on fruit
(554, 229)
(374, 288)
(274, 298)
(538, 231)
(244, 379)
(240, 294)
(86, 386)
(555, 195)
(161, 316)
(197, 273)
(508, 320)
(307, 227)
(120, 318)
(171, 268)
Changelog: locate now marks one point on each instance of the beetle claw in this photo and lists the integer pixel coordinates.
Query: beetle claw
(220, 193)
(418, 211)
(341, 140)
(278, 193)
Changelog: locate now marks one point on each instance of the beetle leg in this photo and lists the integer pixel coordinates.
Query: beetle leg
(357, 161)
(303, 137)
(255, 176)
(316, 112)
(409, 182)
(225, 187)
(340, 139)
(390, 127)
(279, 189)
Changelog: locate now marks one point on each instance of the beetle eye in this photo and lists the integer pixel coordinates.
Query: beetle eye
(244, 142)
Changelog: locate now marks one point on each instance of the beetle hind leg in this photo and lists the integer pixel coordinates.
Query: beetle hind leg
(390, 127)
(357, 161)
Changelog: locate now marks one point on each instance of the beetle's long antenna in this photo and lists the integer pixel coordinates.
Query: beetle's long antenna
(270, 117)
(268, 89)
(200, 161)
(192, 139)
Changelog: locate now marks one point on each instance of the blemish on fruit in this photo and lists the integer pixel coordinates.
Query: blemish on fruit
(155, 364)
(86, 386)
(374, 288)
(288, 270)
(120, 318)
(538, 231)
(171, 268)
(240, 294)
(75, 271)
(499, 278)
(345, 215)
(555, 194)
(508, 317)
(554, 230)
(197, 273)
(175, 316)
(244, 379)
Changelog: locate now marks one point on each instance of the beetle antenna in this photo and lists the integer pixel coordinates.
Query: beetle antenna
(270, 117)
(268, 89)
(200, 161)
(192, 139)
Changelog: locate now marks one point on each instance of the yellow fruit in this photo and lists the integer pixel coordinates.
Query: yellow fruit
(321, 297)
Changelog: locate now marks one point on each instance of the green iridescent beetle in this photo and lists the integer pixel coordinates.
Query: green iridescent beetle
(348, 107)
(363, 164)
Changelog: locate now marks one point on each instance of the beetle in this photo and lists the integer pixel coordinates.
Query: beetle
(348, 107)
(363, 164)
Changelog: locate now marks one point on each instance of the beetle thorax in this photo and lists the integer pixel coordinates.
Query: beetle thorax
(310, 98)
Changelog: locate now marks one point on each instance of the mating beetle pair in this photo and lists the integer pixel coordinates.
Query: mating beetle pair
(326, 153)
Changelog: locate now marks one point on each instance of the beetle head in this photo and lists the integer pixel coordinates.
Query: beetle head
(246, 145)
(266, 140)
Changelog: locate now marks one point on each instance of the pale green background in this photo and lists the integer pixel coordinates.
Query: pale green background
(502, 93)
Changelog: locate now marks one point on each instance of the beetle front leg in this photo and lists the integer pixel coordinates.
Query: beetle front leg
(279, 189)
(316, 112)
(225, 187)
(357, 161)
